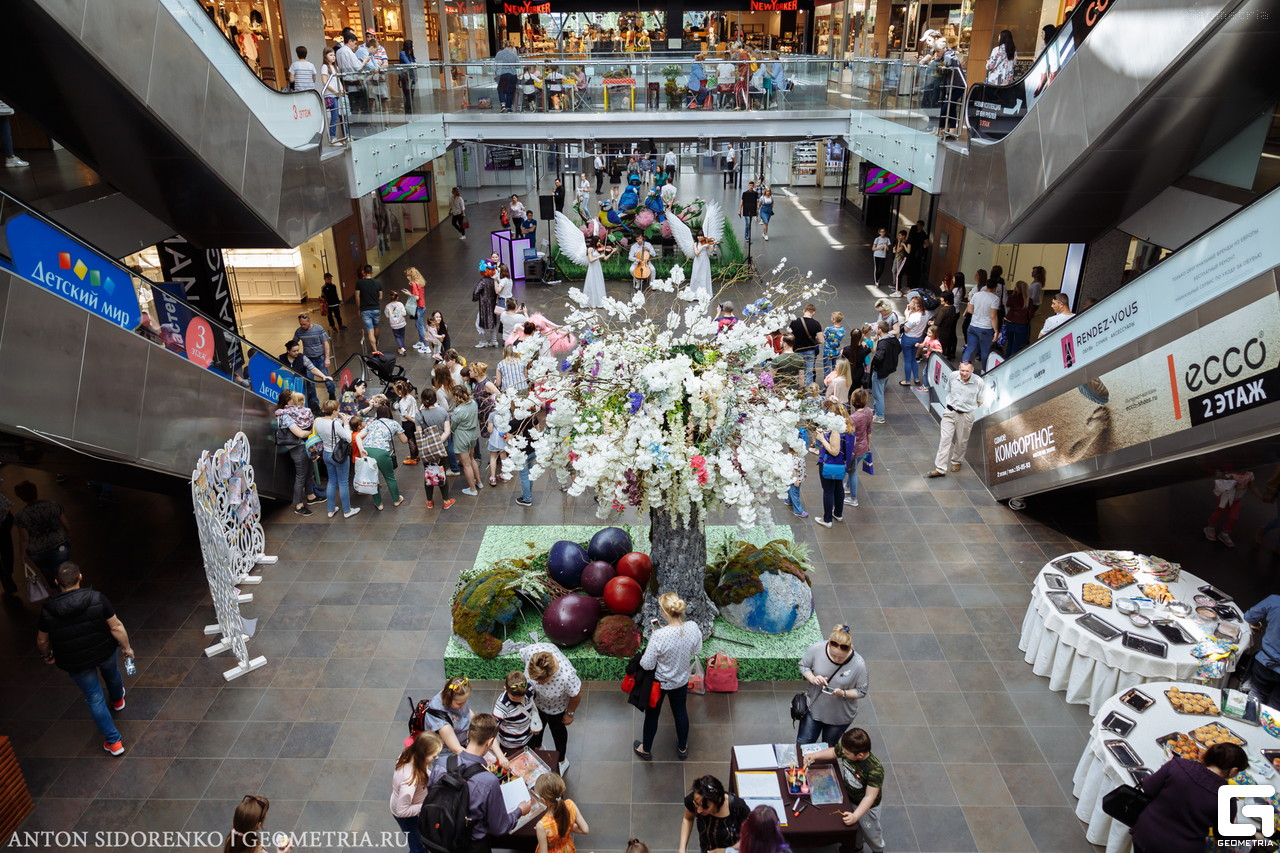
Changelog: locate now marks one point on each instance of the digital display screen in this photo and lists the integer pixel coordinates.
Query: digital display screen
(878, 181)
(413, 187)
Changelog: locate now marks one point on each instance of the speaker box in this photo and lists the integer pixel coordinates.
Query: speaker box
(547, 208)
(534, 269)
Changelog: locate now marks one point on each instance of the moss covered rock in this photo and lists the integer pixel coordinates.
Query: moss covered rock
(763, 590)
(484, 604)
(617, 636)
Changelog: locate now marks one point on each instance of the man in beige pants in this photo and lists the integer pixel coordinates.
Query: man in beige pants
(964, 393)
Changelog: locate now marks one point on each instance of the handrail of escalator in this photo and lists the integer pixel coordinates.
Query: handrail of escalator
(1101, 315)
(195, 335)
(992, 110)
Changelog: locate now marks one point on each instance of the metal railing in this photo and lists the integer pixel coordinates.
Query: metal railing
(377, 101)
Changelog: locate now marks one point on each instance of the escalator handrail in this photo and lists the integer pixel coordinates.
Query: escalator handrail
(8, 201)
(1095, 311)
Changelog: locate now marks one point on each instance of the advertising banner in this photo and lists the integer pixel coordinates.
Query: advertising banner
(1225, 367)
(67, 268)
(267, 378)
(1233, 253)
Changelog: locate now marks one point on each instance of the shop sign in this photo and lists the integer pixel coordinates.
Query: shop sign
(67, 268)
(774, 5)
(527, 8)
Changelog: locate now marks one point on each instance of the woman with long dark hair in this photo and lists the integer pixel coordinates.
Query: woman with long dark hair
(761, 833)
(408, 76)
(247, 834)
(1000, 65)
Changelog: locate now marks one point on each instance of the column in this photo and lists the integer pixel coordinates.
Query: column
(982, 39)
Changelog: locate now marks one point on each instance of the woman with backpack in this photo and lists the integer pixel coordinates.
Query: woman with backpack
(335, 438)
(295, 422)
(835, 454)
(414, 774)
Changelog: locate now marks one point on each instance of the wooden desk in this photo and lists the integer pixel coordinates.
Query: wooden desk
(816, 826)
(525, 838)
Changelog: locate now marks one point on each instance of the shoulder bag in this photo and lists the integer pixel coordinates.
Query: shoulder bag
(36, 589)
(1125, 803)
(832, 470)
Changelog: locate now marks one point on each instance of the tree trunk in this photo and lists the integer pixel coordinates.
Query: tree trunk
(679, 554)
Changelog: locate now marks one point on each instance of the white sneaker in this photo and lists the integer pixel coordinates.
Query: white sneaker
(471, 492)
(332, 513)
(463, 237)
(15, 162)
(766, 238)
(850, 502)
(355, 510)
(564, 765)
(823, 523)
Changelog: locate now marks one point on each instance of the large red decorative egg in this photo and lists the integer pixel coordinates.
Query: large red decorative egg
(623, 595)
(636, 566)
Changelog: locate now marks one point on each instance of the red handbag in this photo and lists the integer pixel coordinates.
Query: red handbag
(722, 673)
(628, 683)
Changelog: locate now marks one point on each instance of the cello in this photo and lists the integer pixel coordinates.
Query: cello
(642, 271)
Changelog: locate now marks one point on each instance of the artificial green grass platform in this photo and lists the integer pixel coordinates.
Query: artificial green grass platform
(725, 264)
(761, 657)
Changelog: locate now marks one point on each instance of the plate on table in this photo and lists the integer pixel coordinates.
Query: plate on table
(1123, 752)
(1203, 600)
(1173, 632)
(1227, 632)
(1226, 611)
(1146, 645)
(1216, 594)
(1156, 591)
(1272, 757)
(1064, 601)
(1100, 627)
(1136, 699)
(1140, 773)
(1180, 744)
(1098, 596)
(1070, 566)
(1118, 723)
(1190, 702)
(1211, 733)
(1116, 578)
(1055, 581)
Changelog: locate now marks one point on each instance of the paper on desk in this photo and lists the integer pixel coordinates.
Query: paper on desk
(760, 785)
(777, 805)
(786, 754)
(516, 792)
(756, 756)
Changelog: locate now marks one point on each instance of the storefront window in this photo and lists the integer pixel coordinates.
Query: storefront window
(339, 14)
(465, 31)
(255, 30)
(1022, 18)
(388, 21)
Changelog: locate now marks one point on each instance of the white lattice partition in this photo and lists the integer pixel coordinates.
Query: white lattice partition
(229, 518)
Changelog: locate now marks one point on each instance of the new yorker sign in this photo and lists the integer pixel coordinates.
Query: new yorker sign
(774, 5)
(527, 8)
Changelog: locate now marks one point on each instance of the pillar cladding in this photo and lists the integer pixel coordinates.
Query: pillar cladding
(304, 24)
(1103, 272)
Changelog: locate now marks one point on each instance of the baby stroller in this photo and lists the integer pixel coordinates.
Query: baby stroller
(384, 368)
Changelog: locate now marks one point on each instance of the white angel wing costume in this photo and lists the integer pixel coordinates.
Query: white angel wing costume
(571, 239)
(684, 237)
(712, 222)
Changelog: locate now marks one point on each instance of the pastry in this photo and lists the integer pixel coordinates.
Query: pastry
(1116, 578)
(1184, 746)
(1191, 703)
(1156, 591)
(1098, 596)
(1214, 733)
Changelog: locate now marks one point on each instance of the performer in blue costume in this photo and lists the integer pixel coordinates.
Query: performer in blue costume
(654, 202)
(630, 199)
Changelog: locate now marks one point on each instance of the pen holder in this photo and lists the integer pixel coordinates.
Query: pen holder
(793, 780)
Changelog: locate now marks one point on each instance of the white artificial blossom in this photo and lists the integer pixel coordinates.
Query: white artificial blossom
(655, 406)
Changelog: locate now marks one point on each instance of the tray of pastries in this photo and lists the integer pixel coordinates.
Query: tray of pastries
(1212, 733)
(1071, 567)
(1116, 578)
(1182, 745)
(1098, 596)
(1156, 591)
(1186, 702)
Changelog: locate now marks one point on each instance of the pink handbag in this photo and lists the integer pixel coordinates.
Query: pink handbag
(722, 673)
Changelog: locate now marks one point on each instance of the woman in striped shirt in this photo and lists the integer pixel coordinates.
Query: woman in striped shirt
(511, 372)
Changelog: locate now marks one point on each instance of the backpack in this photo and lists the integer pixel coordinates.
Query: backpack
(929, 298)
(442, 823)
(417, 717)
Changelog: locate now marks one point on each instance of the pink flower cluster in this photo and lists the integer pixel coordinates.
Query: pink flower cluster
(699, 464)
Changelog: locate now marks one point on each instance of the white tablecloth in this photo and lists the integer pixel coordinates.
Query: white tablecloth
(1090, 669)
(1099, 772)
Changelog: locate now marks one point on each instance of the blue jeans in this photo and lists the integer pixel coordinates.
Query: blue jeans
(526, 484)
(1017, 336)
(339, 485)
(421, 321)
(453, 457)
(409, 826)
(371, 318)
(87, 681)
(851, 478)
(48, 560)
(810, 357)
(978, 342)
(877, 395)
(746, 227)
(813, 731)
(793, 499)
(677, 698)
(910, 367)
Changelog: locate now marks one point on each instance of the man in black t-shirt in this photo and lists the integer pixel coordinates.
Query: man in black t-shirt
(369, 292)
(918, 240)
(808, 337)
(748, 207)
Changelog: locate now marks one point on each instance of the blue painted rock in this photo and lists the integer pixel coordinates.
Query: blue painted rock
(595, 576)
(571, 619)
(566, 562)
(609, 545)
(785, 604)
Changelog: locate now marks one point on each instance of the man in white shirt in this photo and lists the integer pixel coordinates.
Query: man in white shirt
(641, 249)
(599, 167)
(964, 394)
(671, 162)
(984, 308)
(350, 64)
(880, 253)
(1061, 313)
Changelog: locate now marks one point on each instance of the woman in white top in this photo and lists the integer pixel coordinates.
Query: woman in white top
(414, 774)
(1000, 65)
(669, 652)
(331, 426)
(331, 88)
(913, 333)
(880, 253)
(594, 285)
(458, 213)
(514, 317)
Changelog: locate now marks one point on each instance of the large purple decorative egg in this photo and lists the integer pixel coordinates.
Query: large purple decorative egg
(571, 619)
(595, 576)
(566, 562)
(609, 545)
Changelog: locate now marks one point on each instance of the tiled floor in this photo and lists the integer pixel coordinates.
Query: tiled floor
(933, 577)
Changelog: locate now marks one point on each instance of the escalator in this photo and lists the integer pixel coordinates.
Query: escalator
(1169, 378)
(149, 384)
(1124, 100)
(153, 97)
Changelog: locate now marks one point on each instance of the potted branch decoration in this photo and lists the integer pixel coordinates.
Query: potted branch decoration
(650, 406)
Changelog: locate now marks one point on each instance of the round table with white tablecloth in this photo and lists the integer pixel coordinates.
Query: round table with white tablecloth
(1086, 667)
(1099, 771)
